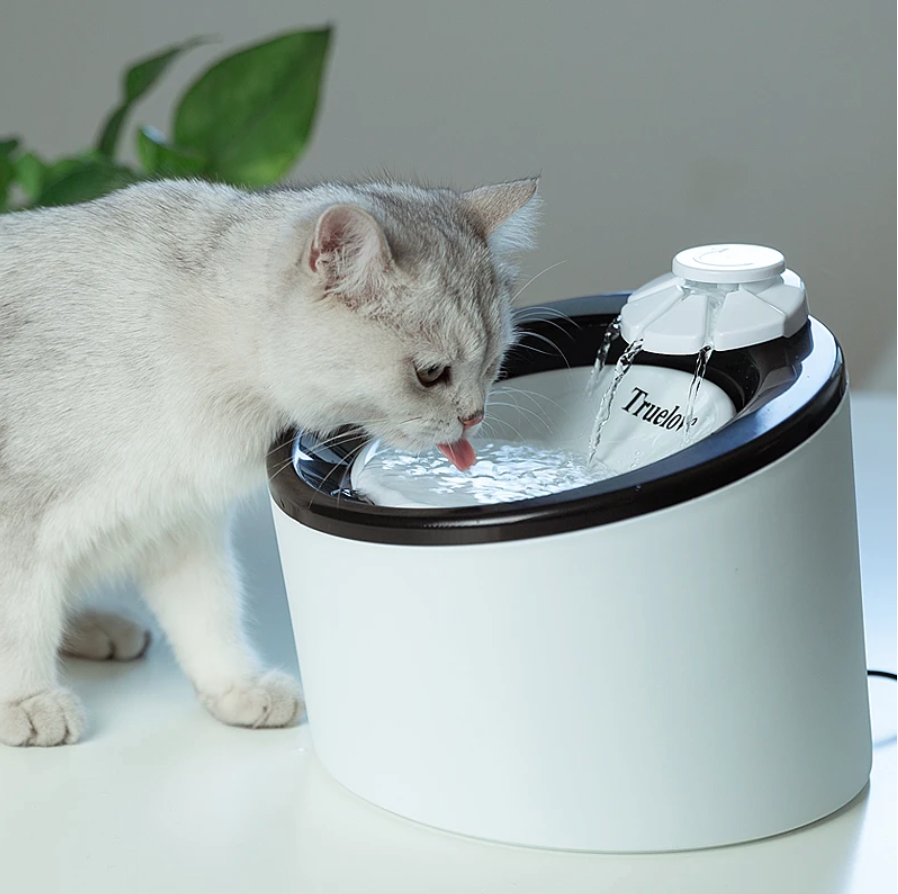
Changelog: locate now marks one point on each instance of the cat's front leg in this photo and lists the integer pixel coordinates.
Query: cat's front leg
(34, 710)
(191, 584)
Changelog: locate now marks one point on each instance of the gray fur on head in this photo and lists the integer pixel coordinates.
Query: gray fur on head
(153, 342)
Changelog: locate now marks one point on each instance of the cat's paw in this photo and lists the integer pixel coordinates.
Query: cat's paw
(271, 700)
(103, 635)
(52, 717)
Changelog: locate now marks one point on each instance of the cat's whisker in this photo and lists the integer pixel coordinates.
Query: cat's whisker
(529, 412)
(284, 465)
(338, 440)
(539, 310)
(552, 323)
(276, 447)
(535, 397)
(536, 414)
(552, 345)
(516, 430)
(380, 420)
(548, 341)
(350, 459)
(341, 468)
(342, 437)
(537, 351)
(321, 440)
(533, 279)
(518, 408)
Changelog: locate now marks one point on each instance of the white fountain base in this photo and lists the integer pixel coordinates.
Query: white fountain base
(689, 677)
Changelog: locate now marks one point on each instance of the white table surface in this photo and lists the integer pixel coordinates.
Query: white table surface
(162, 798)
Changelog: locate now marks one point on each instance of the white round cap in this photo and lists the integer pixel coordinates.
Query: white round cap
(729, 263)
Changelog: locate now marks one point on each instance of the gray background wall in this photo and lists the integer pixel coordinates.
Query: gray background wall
(655, 125)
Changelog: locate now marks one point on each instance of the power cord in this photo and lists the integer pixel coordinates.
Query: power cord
(887, 674)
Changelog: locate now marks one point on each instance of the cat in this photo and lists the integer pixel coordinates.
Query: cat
(153, 343)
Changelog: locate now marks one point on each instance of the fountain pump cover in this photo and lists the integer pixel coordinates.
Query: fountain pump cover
(719, 296)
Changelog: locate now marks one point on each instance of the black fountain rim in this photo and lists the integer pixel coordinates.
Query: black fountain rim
(762, 432)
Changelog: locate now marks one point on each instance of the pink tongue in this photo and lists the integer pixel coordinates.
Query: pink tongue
(460, 454)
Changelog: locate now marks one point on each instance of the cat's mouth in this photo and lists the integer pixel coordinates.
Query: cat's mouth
(460, 454)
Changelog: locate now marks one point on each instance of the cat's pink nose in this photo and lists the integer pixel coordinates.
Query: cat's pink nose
(471, 421)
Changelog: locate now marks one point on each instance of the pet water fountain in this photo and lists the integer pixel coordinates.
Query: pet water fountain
(662, 647)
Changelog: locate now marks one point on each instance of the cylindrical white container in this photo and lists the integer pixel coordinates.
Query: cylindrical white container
(684, 678)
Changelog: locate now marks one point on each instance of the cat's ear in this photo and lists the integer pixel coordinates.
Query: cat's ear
(505, 214)
(350, 253)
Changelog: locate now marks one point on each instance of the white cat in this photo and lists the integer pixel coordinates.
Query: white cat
(152, 344)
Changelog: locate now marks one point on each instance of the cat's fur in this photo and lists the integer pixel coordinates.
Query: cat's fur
(152, 343)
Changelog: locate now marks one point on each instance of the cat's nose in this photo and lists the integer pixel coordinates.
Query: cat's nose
(471, 421)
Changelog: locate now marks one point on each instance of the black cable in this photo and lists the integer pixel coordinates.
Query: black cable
(887, 674)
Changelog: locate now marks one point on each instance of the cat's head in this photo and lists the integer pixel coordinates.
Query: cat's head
(416, 287)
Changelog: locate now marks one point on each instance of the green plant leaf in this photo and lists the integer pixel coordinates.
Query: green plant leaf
(137, 81)
(251, 114)
(59, 168)
(162, 160)
(85, 180)
(8, 148)
(33, 174)
(30, 173)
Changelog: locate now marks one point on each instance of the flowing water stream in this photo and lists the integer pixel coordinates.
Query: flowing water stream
(701, 367)
(611, 333)
(620, 370)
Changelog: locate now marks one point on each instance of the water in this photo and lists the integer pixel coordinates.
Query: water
(505, 471)
(604, 413)
(701, 367)
(716, 298)
(612, 332)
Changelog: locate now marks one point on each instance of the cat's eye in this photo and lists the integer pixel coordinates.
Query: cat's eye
(432, 375)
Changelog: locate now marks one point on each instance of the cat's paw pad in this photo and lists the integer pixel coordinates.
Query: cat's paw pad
(52, 717)
(271, 700)
(104, 635)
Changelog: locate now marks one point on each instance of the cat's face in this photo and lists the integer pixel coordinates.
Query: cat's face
(421, 295)
(449, 334)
